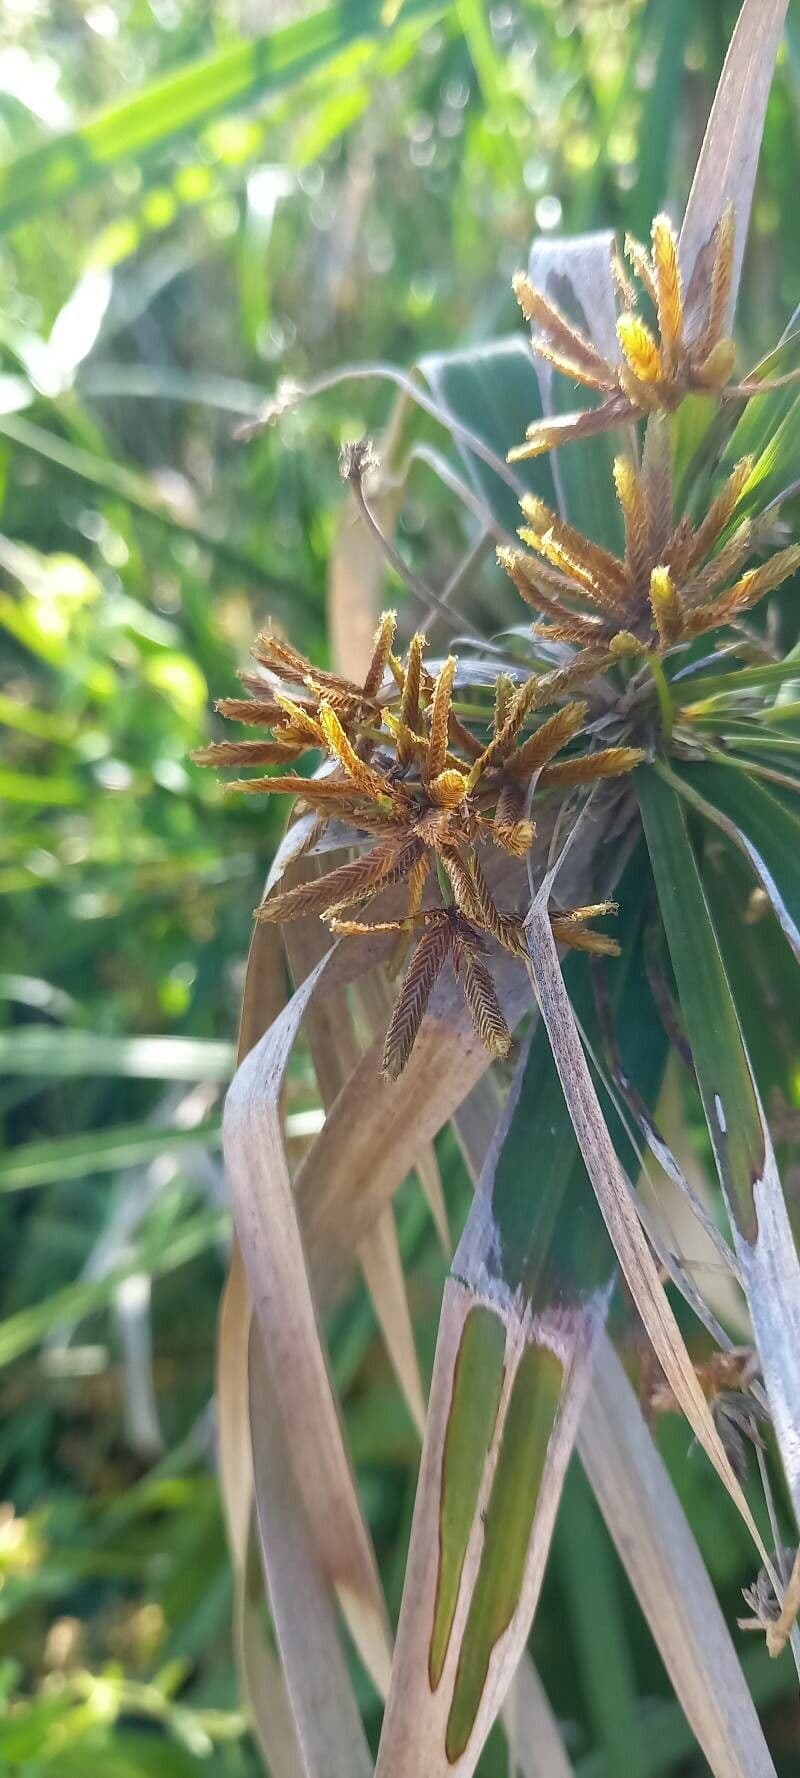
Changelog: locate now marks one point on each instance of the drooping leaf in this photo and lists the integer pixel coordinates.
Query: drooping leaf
(261, 1678)
(759, 824)
(335, 1051)
(493, 391)
(328, 1722)
(614, 1198)
(363, 1152)
(739, 1134)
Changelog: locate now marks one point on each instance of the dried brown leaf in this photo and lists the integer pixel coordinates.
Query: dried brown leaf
(726, 167)
(326, 1713)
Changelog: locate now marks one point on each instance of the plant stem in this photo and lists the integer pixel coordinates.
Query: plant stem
(665, 703)
(354, 478)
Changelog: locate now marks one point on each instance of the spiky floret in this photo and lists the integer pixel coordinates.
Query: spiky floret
(447, 934)
(674, 582)
(687, 350)
(288, 694)
(432, 794)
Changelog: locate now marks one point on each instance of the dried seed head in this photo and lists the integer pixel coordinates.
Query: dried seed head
(381, 653)
(423, 799)
(669, 296)
(357, 459)
(412, 1001)
(481, 997)
(440, 718)
(667, 608)
(670, 585)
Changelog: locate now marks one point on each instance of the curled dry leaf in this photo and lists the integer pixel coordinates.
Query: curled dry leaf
(325, 1710)
(267, 1227)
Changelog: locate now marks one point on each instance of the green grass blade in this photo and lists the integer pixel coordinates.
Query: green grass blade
(182, 102)
(726, 1083)
(155, 1255)
(61, 1055)
(590, 1581)
(707, 688)
(57, 1158)
(759, 824)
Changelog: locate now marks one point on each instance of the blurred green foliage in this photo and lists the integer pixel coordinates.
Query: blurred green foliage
(198, 199)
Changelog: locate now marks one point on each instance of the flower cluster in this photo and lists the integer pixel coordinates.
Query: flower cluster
(669, 587)
(434, 797)
(689, 353)
(677, 579)
(430, 793)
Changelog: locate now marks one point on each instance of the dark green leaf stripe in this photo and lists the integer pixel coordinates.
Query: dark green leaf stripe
(532, 1410)
(477, 1384)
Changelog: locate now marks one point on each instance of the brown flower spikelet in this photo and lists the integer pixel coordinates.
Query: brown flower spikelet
(689, 354)
(675, 580)
(429, 797)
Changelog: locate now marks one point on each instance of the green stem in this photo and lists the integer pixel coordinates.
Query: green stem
(665, 703)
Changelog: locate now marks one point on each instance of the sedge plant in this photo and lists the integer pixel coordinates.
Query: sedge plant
(484, 810)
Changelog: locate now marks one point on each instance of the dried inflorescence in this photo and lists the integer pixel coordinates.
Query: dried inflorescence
(687, 353)
(726, 1379)
(403, 770)
(675, 581)
(286, 698)
(436, 795)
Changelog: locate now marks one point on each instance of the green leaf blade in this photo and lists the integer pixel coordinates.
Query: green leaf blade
(765, 830)
(724, 1075)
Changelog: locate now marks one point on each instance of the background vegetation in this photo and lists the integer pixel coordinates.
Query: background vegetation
(197, 200)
